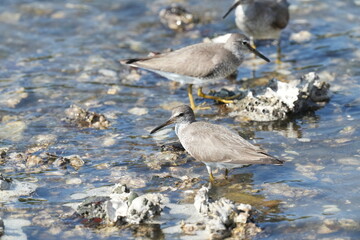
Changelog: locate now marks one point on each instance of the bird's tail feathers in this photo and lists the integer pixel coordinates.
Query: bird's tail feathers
(130, 61)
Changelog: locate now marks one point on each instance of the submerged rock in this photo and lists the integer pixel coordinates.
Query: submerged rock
(121, 207)
(12, 97)
(84, 118)
(277, 100)
(174, 147)
(73, 160)
(287, 191)
(335, 225)
(172, 154)
(167, 158)
(14, 228)
(43, 160)
(5, 182)
(177, 18)
(92, 208)
(2, 227)
(3, 153)
(12, 130)
(222, 218)
(16, 189)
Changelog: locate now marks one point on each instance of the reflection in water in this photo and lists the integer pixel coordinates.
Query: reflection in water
(240, 189)
(147, 231)
(287, 128)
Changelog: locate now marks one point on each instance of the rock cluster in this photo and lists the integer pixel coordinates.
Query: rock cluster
(43, 160)
(177, 18)
(5, 182)
(121, 207)
(277, 100)
(86, 119)
(223, 218)
(11, 189)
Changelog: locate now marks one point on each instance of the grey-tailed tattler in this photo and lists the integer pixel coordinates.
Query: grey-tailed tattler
(214, 145)
(199, 64)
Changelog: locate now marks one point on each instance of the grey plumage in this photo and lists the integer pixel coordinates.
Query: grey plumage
(261, 19)
(199, 63)
(214, 145)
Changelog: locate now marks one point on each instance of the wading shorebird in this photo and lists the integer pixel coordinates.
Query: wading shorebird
(214, 145)
(199, 64)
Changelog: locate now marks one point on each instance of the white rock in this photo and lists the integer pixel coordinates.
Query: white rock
(138, 111)
(144, 207)
(13, 229)
(10, 17)
(108, 73)
(278, 99)
(301, 37)
(331, 209)
(117, 206)
(221, 216)
(12, 130)
(349, 161)
(73, 181)
(17, 189)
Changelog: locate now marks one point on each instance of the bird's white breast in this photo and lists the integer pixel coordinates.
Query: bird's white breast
(184, 79)
(258, 27)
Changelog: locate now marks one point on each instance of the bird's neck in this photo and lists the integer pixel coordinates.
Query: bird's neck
(243, 7)
(236, 51)
(180, 126)
(239, 55)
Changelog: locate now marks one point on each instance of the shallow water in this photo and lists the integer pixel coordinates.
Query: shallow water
(57, 53)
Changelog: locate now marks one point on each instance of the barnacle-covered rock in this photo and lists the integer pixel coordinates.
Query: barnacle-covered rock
(121, 207)
(277, 100)
(177, 18)
(84, 118)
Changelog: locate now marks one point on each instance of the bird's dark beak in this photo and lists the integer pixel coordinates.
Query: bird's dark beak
(168, 122)
(256, 52)
(232, 8)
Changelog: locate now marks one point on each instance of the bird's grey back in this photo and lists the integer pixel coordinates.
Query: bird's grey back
(208, 142)
(203, 60)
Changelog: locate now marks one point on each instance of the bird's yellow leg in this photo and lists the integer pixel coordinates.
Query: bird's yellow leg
(278, 52)
(211, 177)
(191, 98)
(226, 173)
(233, 97)
(192, 102)
(203, 95)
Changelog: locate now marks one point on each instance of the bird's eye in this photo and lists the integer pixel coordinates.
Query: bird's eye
(245, 42)
(181, 114)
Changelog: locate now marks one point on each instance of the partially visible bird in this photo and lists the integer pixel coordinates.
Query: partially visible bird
(261, 19)
(214, 145)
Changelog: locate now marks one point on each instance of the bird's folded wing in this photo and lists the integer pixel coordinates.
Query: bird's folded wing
(212, 143)
(197, 60)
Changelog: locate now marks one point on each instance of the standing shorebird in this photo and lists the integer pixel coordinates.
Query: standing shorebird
(199, 64)
(261, 19)
(214, 145)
